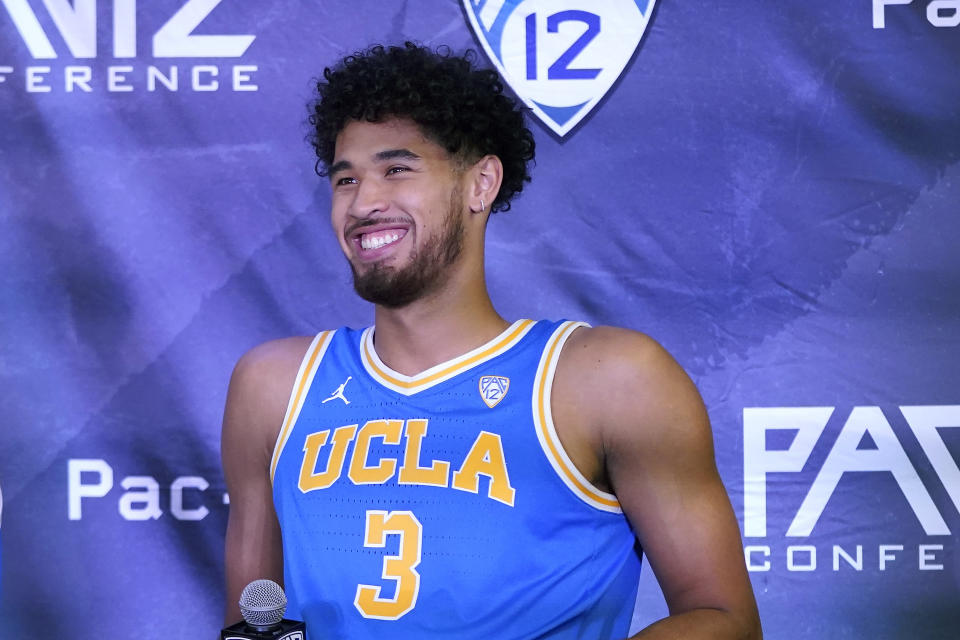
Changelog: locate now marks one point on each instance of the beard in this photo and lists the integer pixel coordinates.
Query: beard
(426, 271)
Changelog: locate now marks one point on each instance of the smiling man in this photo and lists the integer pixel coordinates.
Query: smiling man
(447, 473)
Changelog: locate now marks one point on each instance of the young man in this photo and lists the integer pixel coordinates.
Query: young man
(447, 473)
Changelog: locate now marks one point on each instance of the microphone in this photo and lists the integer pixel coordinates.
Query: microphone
(262, 605)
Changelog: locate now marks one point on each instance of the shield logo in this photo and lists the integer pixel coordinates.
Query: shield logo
(493, 389)
(560, 56)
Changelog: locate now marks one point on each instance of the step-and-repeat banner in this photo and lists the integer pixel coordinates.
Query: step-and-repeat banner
(770, 189)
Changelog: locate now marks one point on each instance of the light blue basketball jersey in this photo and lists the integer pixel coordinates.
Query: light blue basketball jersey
(442, 505)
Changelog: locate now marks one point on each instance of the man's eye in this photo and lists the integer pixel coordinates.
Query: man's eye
(343, 181)
(394, 170)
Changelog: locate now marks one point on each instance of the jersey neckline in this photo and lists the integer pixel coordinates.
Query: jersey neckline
(409, 385)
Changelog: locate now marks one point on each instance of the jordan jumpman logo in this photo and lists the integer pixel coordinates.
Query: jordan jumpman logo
(339, 393)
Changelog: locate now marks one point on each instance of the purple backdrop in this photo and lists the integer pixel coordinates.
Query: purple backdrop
(772, 190)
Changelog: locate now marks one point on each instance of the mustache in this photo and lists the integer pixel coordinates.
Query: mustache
(370, 222)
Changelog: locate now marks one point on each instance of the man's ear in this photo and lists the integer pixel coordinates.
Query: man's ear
(486, 176)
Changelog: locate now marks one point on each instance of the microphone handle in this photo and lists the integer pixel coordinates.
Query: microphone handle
(286, 630)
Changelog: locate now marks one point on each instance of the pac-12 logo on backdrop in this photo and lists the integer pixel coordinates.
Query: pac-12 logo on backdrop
(560, 56)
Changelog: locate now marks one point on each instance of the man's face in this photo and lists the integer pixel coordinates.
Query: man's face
(397, 210)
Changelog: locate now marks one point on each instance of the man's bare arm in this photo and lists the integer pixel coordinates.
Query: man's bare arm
(657, 456)
(256, 403)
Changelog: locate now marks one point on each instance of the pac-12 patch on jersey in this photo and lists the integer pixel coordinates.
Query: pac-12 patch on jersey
(561, 57)
(493, 389)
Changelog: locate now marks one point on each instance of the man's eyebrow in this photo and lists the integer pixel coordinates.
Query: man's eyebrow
(380, 156)
(337, 167)
(393, 154)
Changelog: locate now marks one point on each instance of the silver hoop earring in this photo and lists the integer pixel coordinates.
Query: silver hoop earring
(481, 205)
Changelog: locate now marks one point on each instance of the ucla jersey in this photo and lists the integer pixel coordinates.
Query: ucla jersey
(442, 505)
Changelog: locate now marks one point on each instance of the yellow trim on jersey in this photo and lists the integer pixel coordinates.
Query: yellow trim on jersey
(308, 368)
(409, 385)
(547, 432)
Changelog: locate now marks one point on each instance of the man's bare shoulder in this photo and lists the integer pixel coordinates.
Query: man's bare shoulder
(259, 392)
(613, 356)
(628, 382)
(266, 362)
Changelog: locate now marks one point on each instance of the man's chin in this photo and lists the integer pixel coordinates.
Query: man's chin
(387, 287)
(390, 298)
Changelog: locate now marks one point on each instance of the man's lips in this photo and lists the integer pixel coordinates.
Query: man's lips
(373, 241)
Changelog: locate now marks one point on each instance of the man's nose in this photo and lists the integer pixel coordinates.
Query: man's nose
(371, 197)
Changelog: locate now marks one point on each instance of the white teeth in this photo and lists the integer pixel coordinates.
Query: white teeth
(375, 243)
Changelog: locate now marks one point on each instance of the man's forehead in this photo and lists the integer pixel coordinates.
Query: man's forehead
(362, 140)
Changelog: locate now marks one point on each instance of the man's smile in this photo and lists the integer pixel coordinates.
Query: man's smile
(380, 238)
(374, 240)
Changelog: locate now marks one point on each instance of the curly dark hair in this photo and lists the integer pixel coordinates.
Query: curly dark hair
(461, 107)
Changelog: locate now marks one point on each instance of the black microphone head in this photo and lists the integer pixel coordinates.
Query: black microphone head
(263, 603)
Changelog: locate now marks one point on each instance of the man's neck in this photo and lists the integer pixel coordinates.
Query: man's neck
(428, 332)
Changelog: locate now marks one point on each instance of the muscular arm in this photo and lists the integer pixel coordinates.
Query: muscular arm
(256, 403)
(652, 438)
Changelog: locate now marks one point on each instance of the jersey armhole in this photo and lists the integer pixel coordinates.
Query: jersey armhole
(308, 368)
(547, 432)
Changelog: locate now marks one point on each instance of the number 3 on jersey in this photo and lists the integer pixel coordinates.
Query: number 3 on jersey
(401, 568)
